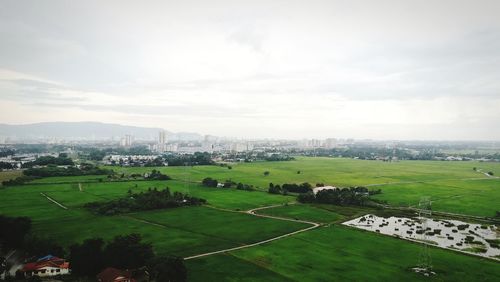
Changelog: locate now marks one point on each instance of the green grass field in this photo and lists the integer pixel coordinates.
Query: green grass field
(222, 229)
(304, 212)
(335, 171)
(330, 253)
(454, 186)
(337, 253)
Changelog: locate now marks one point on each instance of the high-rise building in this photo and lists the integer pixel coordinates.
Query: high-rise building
(127, 141)
(162, 137)
(161, 146)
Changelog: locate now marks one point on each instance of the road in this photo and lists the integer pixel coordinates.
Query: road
(253, 212)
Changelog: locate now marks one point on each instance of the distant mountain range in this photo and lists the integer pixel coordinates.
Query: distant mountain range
(87, 131)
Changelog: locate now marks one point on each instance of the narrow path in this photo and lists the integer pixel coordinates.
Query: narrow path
(253, 212)
(53, 201)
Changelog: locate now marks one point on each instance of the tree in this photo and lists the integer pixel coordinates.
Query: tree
(38, 246)
(274, 189)
(87, 258)
(4, 165)
(170, 269)
(266, 173)
(96, 155)
(128, 252)
(13, 230)
(209, 182)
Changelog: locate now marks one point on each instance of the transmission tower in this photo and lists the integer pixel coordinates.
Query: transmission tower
(424, 260)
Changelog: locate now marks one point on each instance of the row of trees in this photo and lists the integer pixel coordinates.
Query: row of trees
(198, 158)
(357, 196)
(286, 188)
(84, 169)
(210, 182)
(62, 159)
(149, 200)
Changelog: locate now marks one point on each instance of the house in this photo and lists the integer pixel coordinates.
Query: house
(46, 266)
(111, 274)
(317, 189)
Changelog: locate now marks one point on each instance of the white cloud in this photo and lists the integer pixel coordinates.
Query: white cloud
(385, 69)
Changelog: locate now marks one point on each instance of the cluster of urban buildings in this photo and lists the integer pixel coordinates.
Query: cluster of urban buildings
(213, 144)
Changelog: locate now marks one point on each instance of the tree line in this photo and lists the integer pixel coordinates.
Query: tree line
(51, 170)
(357, 196)
(210, 182)
(60, 160)
(287, 188)
(149, 200)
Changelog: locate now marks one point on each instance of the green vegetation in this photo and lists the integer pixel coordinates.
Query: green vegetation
(329, 252)
(152, 199)
(61, 160)
(304, 212)
(339, 253)
(353, 196)
(454, 185)
(84, 169)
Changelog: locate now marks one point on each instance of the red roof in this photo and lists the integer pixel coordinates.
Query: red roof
(49, 262)
(111, 274)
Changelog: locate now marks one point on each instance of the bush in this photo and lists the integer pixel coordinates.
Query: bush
(209, 182)
(274, 189)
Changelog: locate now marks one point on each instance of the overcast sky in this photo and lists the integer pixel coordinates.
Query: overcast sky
(279, 69)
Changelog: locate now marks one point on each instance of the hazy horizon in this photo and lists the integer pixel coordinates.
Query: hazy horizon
(401, 70)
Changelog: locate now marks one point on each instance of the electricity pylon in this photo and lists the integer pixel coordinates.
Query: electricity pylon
(424, 260)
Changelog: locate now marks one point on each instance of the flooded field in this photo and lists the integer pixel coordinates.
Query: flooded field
(477, 239)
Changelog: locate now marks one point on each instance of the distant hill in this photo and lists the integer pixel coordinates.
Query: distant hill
(86, 130)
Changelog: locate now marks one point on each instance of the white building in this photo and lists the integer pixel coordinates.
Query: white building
(46, 266)
(317, 189)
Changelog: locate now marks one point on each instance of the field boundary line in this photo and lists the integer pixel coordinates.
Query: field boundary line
(53, 201)
(253, 212)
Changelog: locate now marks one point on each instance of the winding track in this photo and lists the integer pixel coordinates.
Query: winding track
(253, 212)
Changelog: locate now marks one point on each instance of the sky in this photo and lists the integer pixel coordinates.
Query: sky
(427, 70)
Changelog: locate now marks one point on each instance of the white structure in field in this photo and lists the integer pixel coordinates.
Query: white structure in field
(317, 189)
